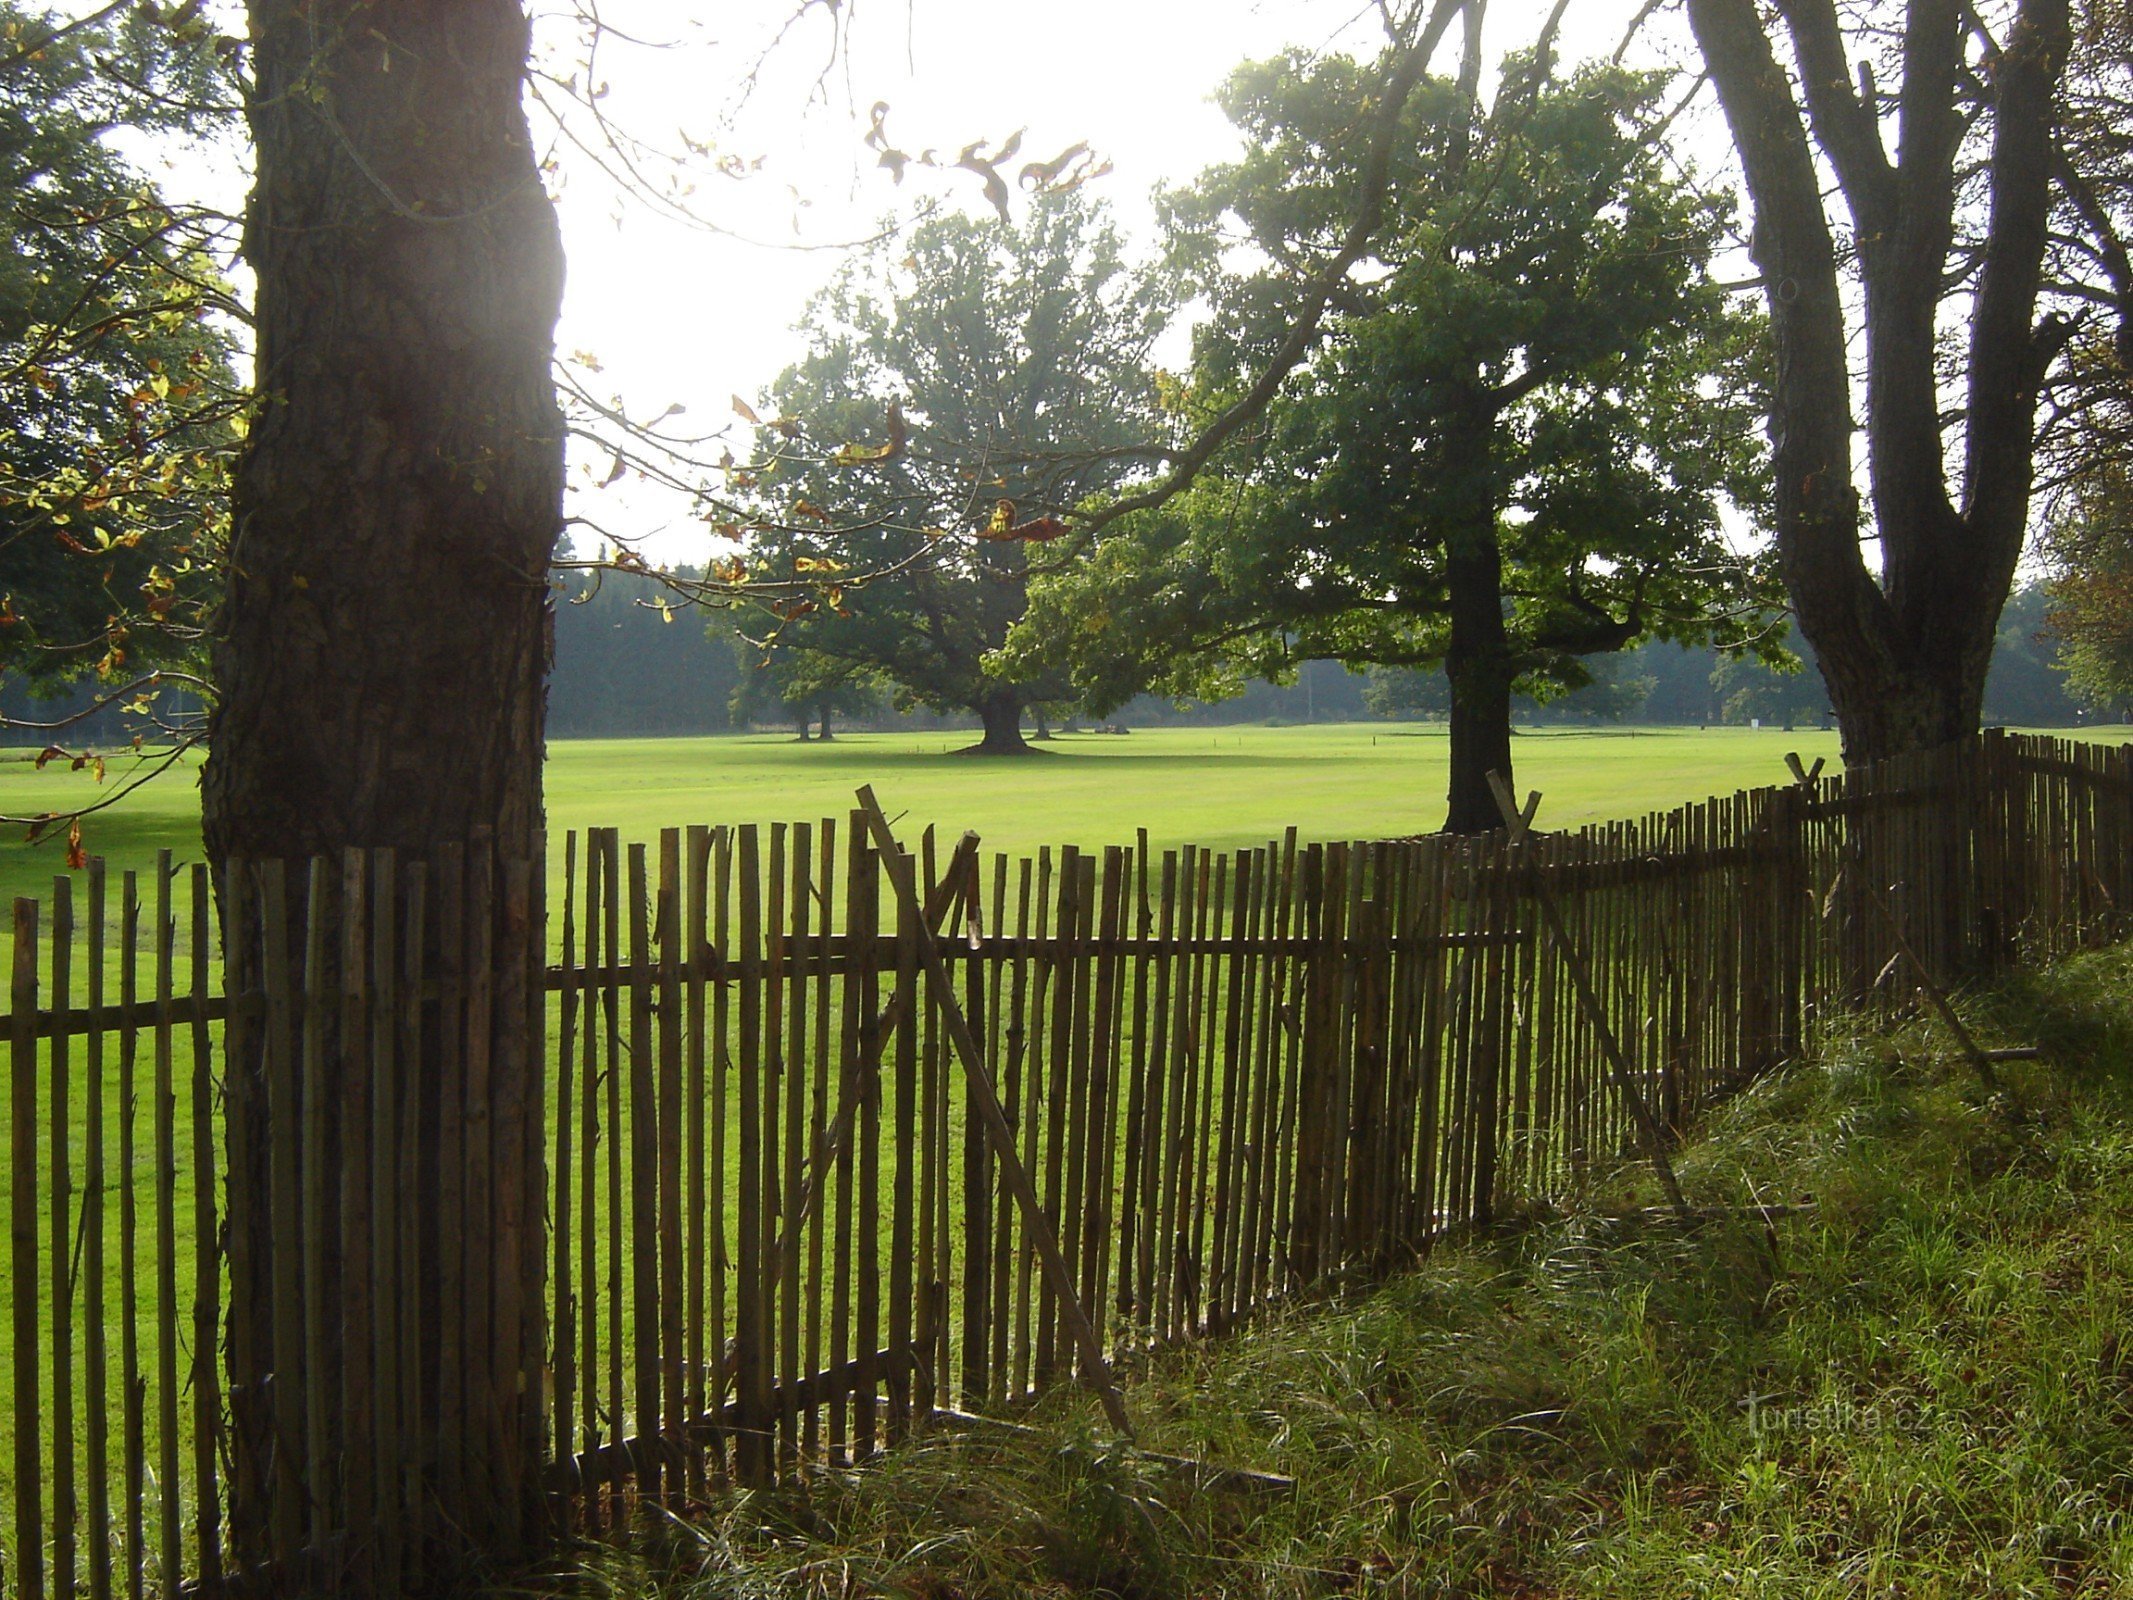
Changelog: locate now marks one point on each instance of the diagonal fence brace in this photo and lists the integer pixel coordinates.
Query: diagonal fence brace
(1518, 820)
(959, 879)
(997, 1127)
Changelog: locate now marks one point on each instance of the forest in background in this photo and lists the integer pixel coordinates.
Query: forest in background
(623, 670)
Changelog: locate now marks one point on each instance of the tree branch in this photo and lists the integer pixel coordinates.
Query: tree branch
(1370, 212)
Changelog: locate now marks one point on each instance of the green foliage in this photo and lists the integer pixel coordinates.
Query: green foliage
(119, 405)
(1538, 350)
(1012, 360)
(1616, 692)
(626, 665)
(1781, 686)
(799, 686)
(2028, 685)
(2089, 542)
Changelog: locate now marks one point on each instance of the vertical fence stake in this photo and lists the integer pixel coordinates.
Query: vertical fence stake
(22, 1224)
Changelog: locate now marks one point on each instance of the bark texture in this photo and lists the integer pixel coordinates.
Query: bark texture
(382, 655)
(1000, 713)
(1479, 661)
(380, 664)
(1904, 651)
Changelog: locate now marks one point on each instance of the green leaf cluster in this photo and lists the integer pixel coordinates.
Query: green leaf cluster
(119, 403)
(1018, 356)
(1536, 358)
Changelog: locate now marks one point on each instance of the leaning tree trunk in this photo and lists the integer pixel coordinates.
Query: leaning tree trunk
(1000, 712)
(380, 663)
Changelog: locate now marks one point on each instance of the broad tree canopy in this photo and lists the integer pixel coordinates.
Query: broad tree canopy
(1512, 446)
(962, 387)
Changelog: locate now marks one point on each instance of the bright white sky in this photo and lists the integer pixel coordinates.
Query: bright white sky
(690, 312)
(679, 313)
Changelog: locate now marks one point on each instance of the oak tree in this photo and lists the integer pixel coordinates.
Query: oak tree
(1507, 453)
(380, 652)
(962, 388)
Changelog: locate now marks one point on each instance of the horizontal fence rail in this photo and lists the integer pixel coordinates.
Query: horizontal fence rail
(488, 1193)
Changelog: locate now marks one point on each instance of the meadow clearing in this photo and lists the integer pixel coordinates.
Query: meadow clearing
(1222, 787)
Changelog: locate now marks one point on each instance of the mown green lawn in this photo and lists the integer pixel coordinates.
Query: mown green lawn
(1211, 786)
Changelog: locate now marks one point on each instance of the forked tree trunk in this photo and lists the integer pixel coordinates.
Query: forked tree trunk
(381, 656)
(1904, 650)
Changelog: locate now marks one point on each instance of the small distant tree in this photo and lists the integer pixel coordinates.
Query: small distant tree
(805, 688)
(1406, 692)
(1781, 686)
(1614, 692)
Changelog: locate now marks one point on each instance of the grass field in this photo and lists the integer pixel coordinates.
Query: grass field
(1211, 786)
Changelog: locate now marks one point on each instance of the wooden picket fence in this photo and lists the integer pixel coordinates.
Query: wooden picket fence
(819, 1136)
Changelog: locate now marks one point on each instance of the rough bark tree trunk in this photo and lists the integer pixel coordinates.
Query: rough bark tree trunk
(1904, 651)
(1480, 669)
(1478, 662)
(1001, 714)
(381, 656)
(824, 735)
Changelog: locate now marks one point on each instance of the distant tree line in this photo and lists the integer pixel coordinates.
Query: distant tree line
(1658, 682)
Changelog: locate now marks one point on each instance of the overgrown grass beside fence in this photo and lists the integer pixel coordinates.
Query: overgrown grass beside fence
(776, 1223)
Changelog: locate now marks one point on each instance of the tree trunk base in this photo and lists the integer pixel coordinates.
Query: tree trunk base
(1001, 717)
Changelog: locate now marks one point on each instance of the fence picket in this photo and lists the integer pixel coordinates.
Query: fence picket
(60, 1203)
(95, 1336)
(166, 1231)
(22, 1222)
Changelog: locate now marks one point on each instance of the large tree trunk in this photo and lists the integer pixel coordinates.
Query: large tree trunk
(1478, 662)
(1001, 714)
(381, 657)
(825, 734)
(1479, 667)
(1904, 651)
